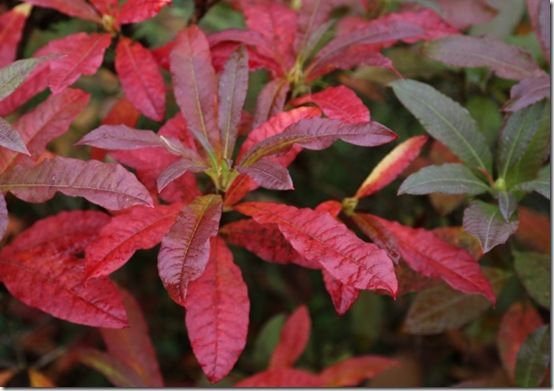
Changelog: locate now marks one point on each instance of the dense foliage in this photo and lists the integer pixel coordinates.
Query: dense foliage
(208, 158)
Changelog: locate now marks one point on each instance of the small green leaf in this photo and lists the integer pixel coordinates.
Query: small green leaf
(445, 120)
(441, 308)
(485, 222)
(267, 340)
(449, 178)
(541, 184)
(533, 270)
(533, 358)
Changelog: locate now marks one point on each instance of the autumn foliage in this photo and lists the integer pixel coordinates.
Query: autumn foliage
(180, 174)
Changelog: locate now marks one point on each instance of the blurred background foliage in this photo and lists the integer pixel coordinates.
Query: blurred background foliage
(375, 324)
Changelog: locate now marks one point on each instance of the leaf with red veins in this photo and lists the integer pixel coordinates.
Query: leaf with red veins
(133, 347)
(352, 371)
(185, 249)
(277, 24)
(392, 166)
(317, 134)
(425, 253)
(311, 15)
(41, 268)
(342, 295)
(338, 103)
(139, 228)
(264, 240)
(528, 91)
(176, 170)
(79, 54)
(319, 237)
(292, 340)
(134, 11)
(217, 313)
(140, 78)
(107, 185)
(282, 377)
(77, 8)
(195, 86)
(49, 120)
(269, 175)
(11, 30)
(36, 82)
(270, 101)
(517, 323)
(120, 137)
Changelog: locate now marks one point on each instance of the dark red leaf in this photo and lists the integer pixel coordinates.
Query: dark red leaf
(217, 313)
(266, 173)
(40, 267)
(342, 295)
(271, 101)
(140, 78)
(139, 228)
(121, 137)
(293, 339)
(352, 371)
(533, 230)
(528, 91)
(11, 30)
(186, 248)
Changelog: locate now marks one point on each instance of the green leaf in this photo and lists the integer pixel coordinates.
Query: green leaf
(12, 75)
(441, 308)
(451, 178)
(485, 222)
(515, 137)
(533, 358)
(507, 203)
(541, 184)
(267, 340)
(445, 120)
(487, 114)
(533, 270)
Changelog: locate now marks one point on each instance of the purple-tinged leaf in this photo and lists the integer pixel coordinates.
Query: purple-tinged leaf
(10, 138)
(268, 174)
(107, 185)
(485, 222)
(120, 137)
(271, 101)
(543, 26)
(3, 217)
(464, 13)
(185, 249)
(177, 169)
(528, 91)
(312, 14)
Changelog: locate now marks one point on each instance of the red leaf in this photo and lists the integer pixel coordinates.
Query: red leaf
(132, 345)
(517, 323)
(40, 267)
(266, 173)
(352, 371)
(186, 248)
(79, 54)
(427, 254)
(338, 103)
(534, 229)
(140, 78)
(281, 377)
(391, 166)
(107, 185)
(107, 7)
(121, 137)
(11, 30)
(293, 339)
(139, 228)
(195, 85)
(311, 16)
(320, 238)
(332, 207)
(264, 240)
(122, 112)
(78, 8)
(270, 101)
(46, 122)
(342, 295)
(36, 82)
(217, 312)
(134, 11)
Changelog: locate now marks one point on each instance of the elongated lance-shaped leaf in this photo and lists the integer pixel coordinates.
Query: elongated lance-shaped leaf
(391, 166)
(134, 11)
(176, 170)
(515, 137)
(12, 24)
(311, 15)
(453, 178)
(36, 82)
(78, 8)
(485, 222)
(115, 371)
(233, 85)
(353, 371)
(14, 74)
(427, 254)
(317, 134)
(541, 184)
(507, 203)
(319, 237)
(3, 216)
(533, 270)
(140, 78)
(217, 313)
(40, 268)
(533, 359)
(120, 137)
(195, 86)
(293, 339)
(268, 174)
(185, 249)
(392, 31)
(107, 185)
(270, 101)
(139, 228)
(507, 61)
(10, 138)
(528, 91)
(446, 121)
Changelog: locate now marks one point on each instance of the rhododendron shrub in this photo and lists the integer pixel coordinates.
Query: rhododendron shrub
(177, 175)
